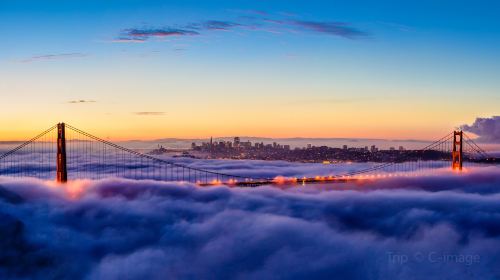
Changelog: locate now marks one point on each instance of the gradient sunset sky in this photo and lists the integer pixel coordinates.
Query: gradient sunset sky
(154, 69)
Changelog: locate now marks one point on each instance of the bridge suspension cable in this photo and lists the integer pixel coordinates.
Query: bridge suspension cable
(189, 173)
(30, 158)
(475, 147)
(10, 152)
(403, 158)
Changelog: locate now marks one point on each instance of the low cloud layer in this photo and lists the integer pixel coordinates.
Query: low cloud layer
(117, 229)
(488, 129)
(83, 163)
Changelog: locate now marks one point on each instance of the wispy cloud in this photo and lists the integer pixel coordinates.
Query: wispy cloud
(329, 101)
(259, 21)
(219, 25)
(125, 39)
(139, 35)
(143, 34)
(146, 113)
(80, 101)
(341, 29)
(53, 57)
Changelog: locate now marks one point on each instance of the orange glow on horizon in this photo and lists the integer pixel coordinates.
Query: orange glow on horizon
(130, 128)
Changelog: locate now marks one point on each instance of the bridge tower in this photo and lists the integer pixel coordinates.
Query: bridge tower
(62, 172)
(456, 163)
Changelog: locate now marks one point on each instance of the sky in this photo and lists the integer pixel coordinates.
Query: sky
(134, 69)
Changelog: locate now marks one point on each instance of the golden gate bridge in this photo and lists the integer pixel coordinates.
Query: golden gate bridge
(65, 152)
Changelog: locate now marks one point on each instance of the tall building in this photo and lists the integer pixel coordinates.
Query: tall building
(211, 147)
(236, 142)
(246, 144)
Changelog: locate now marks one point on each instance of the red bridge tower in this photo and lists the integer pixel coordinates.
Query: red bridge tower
(456, 163)
(62, 172)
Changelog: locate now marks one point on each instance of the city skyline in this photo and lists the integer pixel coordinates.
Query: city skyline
(184, 69)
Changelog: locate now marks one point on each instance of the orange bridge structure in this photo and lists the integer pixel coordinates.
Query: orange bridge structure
(72, 153)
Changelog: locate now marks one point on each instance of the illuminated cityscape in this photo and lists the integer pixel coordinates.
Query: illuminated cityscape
(322, 154)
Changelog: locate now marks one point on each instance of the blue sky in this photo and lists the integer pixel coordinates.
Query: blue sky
(268, 68)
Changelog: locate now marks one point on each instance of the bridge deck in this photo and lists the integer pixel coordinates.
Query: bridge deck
(287, 181)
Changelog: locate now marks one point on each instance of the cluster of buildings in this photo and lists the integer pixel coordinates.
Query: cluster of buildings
(373, 149)
(237, 145)
(238, 149)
